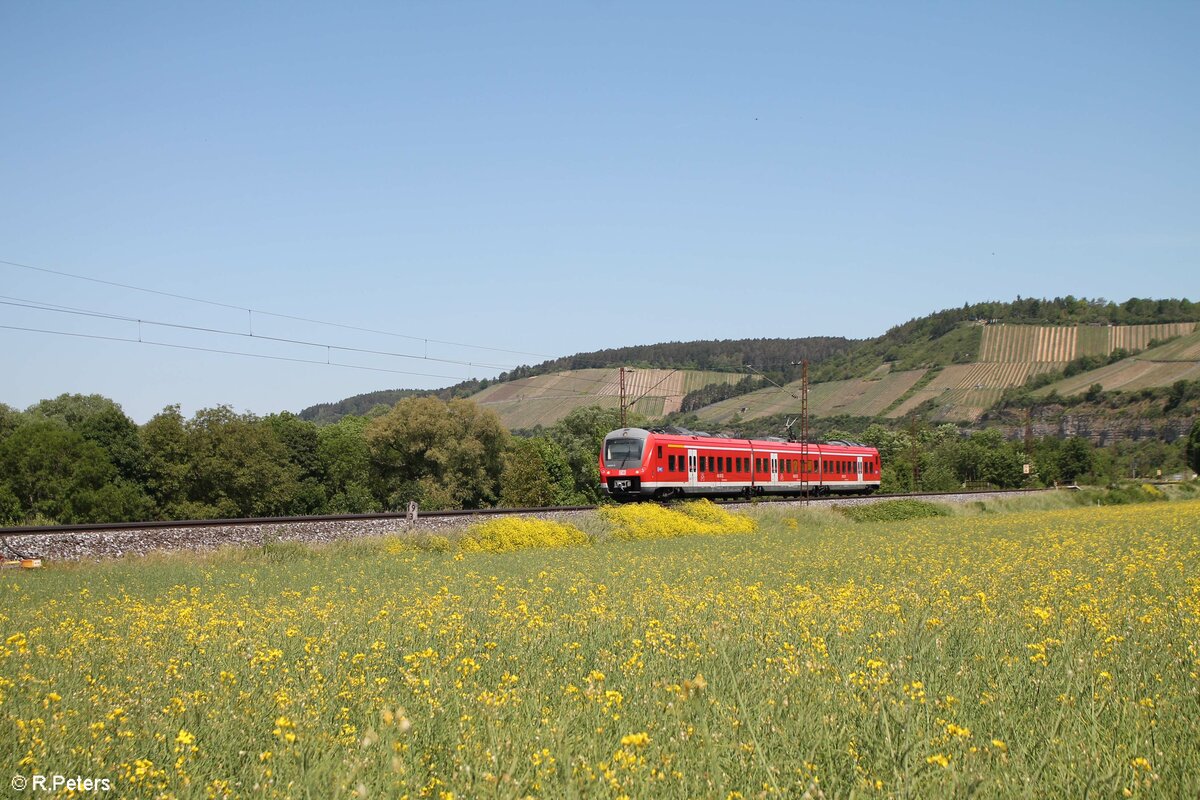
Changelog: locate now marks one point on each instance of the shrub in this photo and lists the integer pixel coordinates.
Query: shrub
(647, 521)
(519, 533)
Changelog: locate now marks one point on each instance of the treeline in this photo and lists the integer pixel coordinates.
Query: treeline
(724, 355)
(372, 404)
(1059, 311)
(945, 458)
(79, 459)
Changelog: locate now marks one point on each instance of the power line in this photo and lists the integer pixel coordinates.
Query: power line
(326, 363)
(262, 312)
(59, 309)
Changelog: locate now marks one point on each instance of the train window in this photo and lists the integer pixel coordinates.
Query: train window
(660, 451)
(737, 464)
(711, 464)
(720, 463)
(671, 463)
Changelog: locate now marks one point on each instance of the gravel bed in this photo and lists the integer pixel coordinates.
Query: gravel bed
(117, 544)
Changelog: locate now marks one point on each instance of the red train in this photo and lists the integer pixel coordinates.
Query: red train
(642, 464)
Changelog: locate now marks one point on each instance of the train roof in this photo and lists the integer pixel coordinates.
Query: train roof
(699, 438)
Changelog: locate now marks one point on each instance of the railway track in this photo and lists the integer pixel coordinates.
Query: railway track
(115, 539)
(100, 527)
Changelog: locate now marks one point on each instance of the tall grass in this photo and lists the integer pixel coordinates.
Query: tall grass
(1032, 653)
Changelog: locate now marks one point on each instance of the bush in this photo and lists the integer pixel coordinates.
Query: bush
(646, 521)
(519, 533)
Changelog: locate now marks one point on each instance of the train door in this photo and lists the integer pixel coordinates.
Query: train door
(774, 468)
(860, 469)
(691, 467)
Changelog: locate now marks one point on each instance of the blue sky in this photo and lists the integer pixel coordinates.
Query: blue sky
(555, 178)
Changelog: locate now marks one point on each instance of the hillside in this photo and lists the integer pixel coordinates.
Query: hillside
(1008, 355)
(543, 400)
(950, 366)
(1178, 360)
(730, 356)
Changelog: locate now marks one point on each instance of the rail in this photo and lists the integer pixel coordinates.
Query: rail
(104, 527)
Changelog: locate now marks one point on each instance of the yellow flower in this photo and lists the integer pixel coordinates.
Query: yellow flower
(942, 761)
(636, 739)
(184, 737)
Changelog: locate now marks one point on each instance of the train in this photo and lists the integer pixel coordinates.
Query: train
(671, 463)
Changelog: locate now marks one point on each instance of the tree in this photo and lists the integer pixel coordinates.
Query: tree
(442, 455)
(1075, 458)
(48, 470)
(536, 473)
(1192, 448)
(102, 421)
(301, 440)
(238, 467)
(346, 464)
(167, 466)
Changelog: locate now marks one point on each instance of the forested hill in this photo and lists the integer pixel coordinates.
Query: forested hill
(768, 355)
(937, 339)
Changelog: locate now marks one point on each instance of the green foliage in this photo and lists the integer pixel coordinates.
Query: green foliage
(1075, 459)
(1193, 447)
(1126, 494)
(537, 473)
(50, 470)
(893, 511)
(301, 440)
(442, 455)
(101, 421)
(346, 464)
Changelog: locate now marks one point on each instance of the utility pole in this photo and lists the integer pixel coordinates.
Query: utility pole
(622, 397)
(915, 455)
(804, 465)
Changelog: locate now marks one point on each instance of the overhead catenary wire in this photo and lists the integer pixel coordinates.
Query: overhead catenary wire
(150, 342)
(59, 309)
(263, 312)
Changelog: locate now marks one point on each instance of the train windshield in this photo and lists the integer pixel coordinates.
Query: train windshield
(620, 453)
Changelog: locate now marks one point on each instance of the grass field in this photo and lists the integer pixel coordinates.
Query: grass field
(1042, 653)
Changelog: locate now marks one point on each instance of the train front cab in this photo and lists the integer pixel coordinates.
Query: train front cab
(623, 458)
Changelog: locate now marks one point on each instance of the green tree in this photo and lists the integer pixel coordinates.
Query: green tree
(238, 467)
(168, 465)
(346, 463)
(53, 472)
(442, 455)
(536, 473)
(10, 420)
(1075, 458)
(1192, 449)
(302, 442)
(100, 420)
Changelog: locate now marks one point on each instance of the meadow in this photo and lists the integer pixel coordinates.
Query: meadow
(990, 650)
